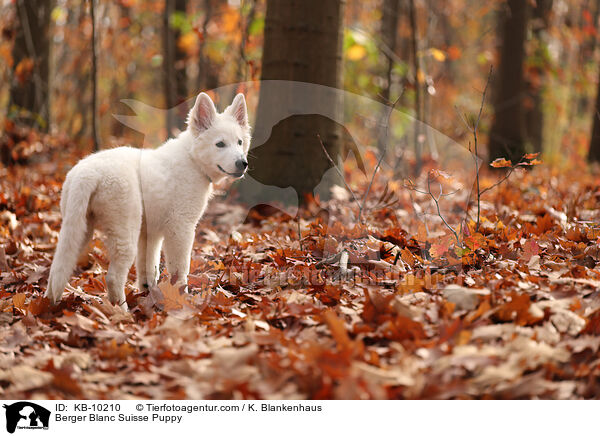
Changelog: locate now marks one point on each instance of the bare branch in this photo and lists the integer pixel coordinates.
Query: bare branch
(339, 172)
(383, 151)
(507, 175)
(437, 205)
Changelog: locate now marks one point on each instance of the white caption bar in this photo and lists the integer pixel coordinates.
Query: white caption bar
(248, 417)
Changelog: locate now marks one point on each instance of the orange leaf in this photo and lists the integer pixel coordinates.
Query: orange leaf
(38, 305)
(543, 224)
(476, 241)
(408, 257)
(517, 310)
(23, 70)
(501, 163)
(19, 301)
(173, 297)
(338, 329)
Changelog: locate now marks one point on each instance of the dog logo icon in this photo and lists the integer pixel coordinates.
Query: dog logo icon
(26, 415)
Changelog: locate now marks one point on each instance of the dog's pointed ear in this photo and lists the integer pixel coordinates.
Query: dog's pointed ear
(238, 110)
(202, 114)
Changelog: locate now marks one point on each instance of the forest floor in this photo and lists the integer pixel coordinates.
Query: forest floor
(513, 311)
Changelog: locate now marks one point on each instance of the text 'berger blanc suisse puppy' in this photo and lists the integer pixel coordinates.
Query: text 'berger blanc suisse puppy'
(143, 200)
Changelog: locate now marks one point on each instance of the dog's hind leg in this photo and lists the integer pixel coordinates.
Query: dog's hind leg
(86, 246)
(178, 249)
(140, 260)
(121, 250)
(153, 245)
(148, 258)
(122, 242)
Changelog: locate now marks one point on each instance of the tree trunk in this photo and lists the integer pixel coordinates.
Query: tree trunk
(242, 69)
(534, 115)
(180, 61)
(28, 101)
(507, 136)
(303, 43)
(389, 36)
(174, 67)
(94, 72)
(203, 64)
(412, 14)
(594, 151)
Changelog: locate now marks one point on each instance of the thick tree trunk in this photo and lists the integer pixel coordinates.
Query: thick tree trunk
(29, 88)
(303, 43)
(174, 67)
(507, 136)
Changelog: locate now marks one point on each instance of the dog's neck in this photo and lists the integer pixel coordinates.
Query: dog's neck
(185, 138)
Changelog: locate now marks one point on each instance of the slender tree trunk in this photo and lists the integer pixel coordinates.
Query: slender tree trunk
(594, 151)
(168, 68)
(507, 136)
(587, 50)
(389, 36)
(174, 68)
(303, 42)
(242, 70)
(94, 73)
(412, 14)
(29, 96)
(203, 66)
(536, 76)
(179, 63)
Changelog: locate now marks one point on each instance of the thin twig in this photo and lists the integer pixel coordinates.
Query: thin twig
(475, 126)
(514, 167)
(437, 205)
(299, 232)
(475, 152)
(337, 169)
(383, 151)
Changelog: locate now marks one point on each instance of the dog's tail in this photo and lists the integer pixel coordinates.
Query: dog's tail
(74, 231)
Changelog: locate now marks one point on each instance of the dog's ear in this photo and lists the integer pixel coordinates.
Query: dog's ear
(202, 114)
(238, 110)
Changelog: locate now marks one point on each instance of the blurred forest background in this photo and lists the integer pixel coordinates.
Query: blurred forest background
(433, 56)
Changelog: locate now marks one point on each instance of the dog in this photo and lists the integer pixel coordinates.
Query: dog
(143, 200)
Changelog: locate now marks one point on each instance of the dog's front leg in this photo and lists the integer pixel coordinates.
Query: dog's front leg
(178, 250)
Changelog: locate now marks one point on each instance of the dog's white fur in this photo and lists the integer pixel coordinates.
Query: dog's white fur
(144, 199)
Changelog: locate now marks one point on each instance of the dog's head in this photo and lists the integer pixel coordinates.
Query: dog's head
(220, 140)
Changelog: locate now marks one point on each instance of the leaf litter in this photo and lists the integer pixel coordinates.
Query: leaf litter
(282, 307)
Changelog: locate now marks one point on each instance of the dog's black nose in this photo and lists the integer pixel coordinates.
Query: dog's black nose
(241, 164)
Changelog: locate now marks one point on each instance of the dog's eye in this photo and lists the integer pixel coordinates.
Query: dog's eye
(220, 144)
(239, 142)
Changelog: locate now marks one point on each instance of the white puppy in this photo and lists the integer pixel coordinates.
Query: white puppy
(144, 199)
